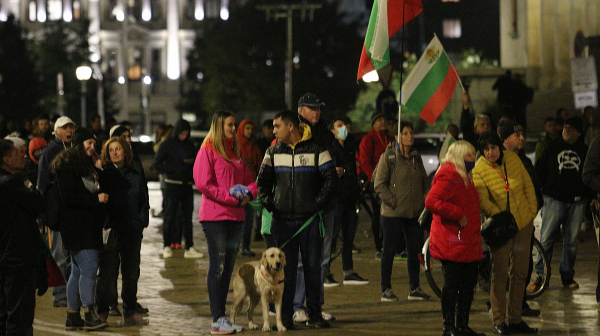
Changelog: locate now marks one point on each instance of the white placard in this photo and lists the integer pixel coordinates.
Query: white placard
(583, 74)
(587, 98)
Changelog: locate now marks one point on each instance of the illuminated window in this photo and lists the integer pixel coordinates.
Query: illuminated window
(136, 71)
(32, 11)
(451, 28)
(76, 10)
(54, 9)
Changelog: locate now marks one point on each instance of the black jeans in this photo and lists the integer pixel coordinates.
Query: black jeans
(459, 286)
(128, 257)
(345, 220)
(223, 241)
(310, 243)
(176, 195)
(393, 227)
(17, 300)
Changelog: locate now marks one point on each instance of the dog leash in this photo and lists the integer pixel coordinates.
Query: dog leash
(321, 227)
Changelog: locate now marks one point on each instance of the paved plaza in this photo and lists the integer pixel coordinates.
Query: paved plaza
(175, 292)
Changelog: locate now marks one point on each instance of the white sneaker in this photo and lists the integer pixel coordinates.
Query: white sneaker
(327, 316)
(191, 253)
(167, 252)
(300, 316)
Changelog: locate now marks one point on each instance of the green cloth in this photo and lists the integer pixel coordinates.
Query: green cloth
(265, 216)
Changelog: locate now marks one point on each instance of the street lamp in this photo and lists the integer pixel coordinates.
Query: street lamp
(83, 73)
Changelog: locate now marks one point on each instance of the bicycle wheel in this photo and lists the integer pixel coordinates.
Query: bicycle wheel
(539, 281)
(432, 269)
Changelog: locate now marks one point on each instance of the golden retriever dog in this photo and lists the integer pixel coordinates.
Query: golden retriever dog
(260, 281)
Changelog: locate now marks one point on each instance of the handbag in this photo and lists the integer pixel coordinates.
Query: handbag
(501, 227)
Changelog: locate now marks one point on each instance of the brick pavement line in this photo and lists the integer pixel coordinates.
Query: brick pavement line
(58, 328)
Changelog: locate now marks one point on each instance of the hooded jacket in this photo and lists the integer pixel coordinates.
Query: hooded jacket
(402, 191)
(214, 176)
(45, 175)
(370, 149)
(295, 182)
(249, 151)
(171, 156)
(449, 200)
(489, 180)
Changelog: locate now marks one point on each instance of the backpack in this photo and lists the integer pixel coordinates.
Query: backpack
(390, 158)
(51, 216)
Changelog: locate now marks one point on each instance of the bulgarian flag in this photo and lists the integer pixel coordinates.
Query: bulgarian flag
(387, 18)
(431, 83)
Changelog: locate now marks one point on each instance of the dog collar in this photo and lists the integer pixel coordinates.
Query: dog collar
(278, 282)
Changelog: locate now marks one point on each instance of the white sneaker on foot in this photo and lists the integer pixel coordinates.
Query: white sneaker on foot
(167, 252)
(327, 316)
(191, 253)
(300, 316)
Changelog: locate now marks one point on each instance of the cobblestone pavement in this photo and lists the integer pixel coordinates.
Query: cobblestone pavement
(175, 292)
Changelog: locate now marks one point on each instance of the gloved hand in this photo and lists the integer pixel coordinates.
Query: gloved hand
(239, 191)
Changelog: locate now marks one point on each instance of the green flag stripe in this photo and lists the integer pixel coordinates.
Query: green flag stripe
(369, 39)
(430, 83)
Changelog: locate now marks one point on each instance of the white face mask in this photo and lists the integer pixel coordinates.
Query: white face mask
(342, 132)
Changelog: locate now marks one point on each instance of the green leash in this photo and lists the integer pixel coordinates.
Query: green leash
(321, 227)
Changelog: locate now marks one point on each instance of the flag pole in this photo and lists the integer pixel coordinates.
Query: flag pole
(401, 73)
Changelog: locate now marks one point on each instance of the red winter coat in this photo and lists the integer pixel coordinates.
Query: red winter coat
(249, 151)
(371, 147)
(449, 200)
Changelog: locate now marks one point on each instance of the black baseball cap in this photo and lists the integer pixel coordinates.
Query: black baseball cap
(310, 100)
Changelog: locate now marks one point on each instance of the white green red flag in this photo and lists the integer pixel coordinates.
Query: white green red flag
(430, 85)
(387, 18)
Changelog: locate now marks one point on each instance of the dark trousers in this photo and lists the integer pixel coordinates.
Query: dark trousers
(17, 300)
(345, 219)
(178, 195)
(248, 225)
(459, 288)
(393, 227)
(223, 241)
(128, 257)
(310, 244)
(376, 220)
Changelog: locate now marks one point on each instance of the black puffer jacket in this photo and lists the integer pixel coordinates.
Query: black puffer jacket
(295, 183)
(171, 156)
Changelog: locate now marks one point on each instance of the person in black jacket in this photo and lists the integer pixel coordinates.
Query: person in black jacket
(128, 215)
(175, 160)
(591, 178)
(81, 219)
(296, 180)
(20, 244)
(560, 171)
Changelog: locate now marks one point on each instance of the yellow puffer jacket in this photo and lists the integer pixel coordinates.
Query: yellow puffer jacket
(492, 190)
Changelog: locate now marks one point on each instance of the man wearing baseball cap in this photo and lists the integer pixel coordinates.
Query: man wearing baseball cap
(64, 129)
(513, 139)
(560, 171)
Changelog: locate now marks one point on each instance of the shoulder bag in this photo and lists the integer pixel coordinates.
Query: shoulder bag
(501, 227)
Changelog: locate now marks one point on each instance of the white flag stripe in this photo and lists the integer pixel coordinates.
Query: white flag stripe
(420, 70)
(381, 39)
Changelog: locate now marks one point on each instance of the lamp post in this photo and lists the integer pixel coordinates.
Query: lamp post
(83, 73)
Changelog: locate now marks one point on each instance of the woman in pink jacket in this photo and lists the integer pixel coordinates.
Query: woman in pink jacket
(227, 186)
(455, 237)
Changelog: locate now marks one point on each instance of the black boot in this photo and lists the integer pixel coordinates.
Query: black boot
(448, 311)
(462, 315)
(74, 320)
(92, 321)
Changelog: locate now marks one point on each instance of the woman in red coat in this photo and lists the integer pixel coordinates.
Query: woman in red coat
(455, 236)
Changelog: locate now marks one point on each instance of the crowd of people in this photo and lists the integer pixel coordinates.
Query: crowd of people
(296, 187)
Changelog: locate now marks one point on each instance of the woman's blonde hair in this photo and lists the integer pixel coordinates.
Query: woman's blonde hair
(216, 135)
(456, 155)
(126, 149)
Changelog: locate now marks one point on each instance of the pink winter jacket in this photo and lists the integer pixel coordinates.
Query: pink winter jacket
(214, 176)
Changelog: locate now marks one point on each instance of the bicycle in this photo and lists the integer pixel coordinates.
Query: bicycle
(535, 287)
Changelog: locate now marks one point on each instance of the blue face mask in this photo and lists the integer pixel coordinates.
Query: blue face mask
(469, 165)
(342, 132)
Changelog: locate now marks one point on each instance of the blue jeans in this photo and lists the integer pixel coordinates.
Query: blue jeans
(82, 283)
(223, 241)
(392, 231)
(127, 256)
(310, 244)
(63, 260)
(570, 215)
(328, 222)
(176, 195)
(345, 220)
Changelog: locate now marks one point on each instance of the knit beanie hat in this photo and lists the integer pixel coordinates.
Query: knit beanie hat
(117, 130)
(508, 127)
(81, 135)
(376, 115)
(576, 123)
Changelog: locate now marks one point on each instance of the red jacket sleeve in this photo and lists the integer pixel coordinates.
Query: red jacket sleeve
(445, 186)
(366, 151)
